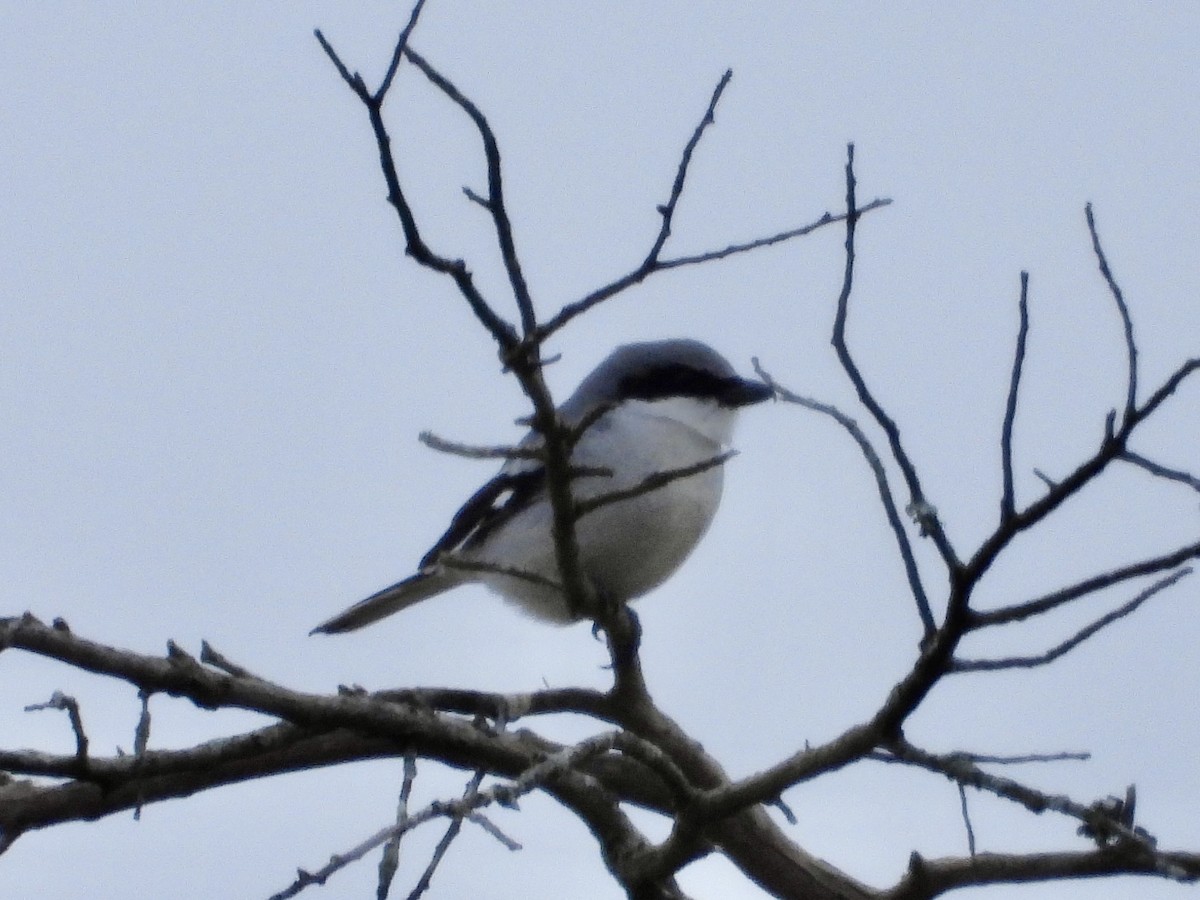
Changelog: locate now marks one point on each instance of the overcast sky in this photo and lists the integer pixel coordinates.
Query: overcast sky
(215, 360)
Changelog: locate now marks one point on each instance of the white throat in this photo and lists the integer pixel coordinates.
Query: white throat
(707, 418)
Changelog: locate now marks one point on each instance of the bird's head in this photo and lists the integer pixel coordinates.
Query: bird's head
(684, 380)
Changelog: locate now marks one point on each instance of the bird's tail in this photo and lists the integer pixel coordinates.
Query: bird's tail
(392, 599)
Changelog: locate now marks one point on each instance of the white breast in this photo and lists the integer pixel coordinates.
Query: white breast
(629, 547)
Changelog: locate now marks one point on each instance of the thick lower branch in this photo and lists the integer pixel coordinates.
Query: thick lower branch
(128, 782)
(931, 878)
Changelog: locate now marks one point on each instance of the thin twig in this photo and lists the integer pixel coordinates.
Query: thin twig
(966, 816)
(1029, 662)
(141, 741)
(503, 793)
(450, 561)
(1008, 501)
(469, 451)
(398, 52)
(964, 772)
(1123, 309)
(1110, 448)
(474, 197)
(501, 331)
(589, 419)
(650, 263)
(994, 759)
(478, 818)
(1045, 479)
(643, 271)
(496, 204)
(919, 501)
(443, 845)
(1046, 603)
(667, 210)
(69, 705)
(881, 482)
(389, 860)
(733, 249)
(651, 482)
(502, 451)
(355, 81)
(1020, 759)
(1168, 388)
(210, 656)
(1160, 470)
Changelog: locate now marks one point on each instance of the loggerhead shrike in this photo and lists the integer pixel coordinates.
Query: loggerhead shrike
(654, 407)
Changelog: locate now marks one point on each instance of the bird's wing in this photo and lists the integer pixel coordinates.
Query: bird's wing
(519, 483)
(511, 490)
(489, 507)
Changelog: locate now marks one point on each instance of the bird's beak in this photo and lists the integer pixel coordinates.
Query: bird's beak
(743, 392)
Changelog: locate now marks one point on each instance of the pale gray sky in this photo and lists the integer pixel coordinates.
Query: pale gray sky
(215, 360)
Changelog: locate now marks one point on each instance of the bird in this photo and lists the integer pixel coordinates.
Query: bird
(648, 408)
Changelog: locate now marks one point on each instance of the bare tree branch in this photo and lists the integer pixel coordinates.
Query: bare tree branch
(443, 845)
(1029, 662)
(520, 357)
(642, 272)
(653, 261)
(667, 210)
(495, 196)
(501, 331)
(652, 482)
(355, 81)
(881, 482)
(961, 770)
(1123, 310)
(778, 238)
(647, 758)
(473, 799)
(442, 445)
(398, 52)
(667, 213)
(389, 860)
(966, 817)
(1007, 501)
(932, 878)
(506, 708)
(59, 700)
(1167, 389)
(1020, 611)
(1025, 758)
(1013, 759)
(919, 500)
(1161, 471)
(1112, 447)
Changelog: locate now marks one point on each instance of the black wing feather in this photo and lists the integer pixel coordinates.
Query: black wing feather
(482, 513)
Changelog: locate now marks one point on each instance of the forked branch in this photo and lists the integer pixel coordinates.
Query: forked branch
(919, 502)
